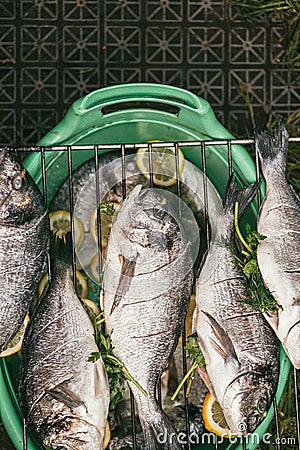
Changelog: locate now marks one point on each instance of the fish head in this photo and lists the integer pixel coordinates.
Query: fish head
(20, 199)
(147, 220)
(246, 402)
(74, 432)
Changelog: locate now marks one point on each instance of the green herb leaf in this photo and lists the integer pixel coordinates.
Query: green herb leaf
(194, 350)
(258, 295)
(249, 268)
(108, 208)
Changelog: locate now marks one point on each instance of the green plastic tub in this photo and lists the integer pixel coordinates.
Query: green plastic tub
(133, 113)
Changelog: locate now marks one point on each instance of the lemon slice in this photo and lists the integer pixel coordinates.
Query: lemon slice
(16, 343)
(107, 212)
(60, 223)
(164, 164)
(107, 435)
(91, 306)
(214, 419)
(94, 267)
(82, 285)
(189, 318)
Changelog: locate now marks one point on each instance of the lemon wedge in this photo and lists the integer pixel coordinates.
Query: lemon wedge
(60, 224)
(91, 306)
(189, 316)
(164, 164)
(82, 285)
(16, 343)
(94, 268)
(107, 213)
(214, 419)
(93, 311)
(107, 435)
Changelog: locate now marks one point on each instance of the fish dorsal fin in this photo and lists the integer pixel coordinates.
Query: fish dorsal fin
(234, 193)
(221, 341)
(66, 396)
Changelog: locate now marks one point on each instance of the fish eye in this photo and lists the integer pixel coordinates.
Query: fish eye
(18, 182)
(159, 213)
(262, 405)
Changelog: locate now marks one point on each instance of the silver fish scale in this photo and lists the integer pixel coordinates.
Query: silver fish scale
(151, 333)
(244, 324)
(22, 255)
(279, 221)
(55, 372)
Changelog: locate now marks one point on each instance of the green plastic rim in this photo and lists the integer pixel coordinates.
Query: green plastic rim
(133, 113)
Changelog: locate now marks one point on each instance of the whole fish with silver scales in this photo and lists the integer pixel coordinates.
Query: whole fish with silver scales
(63, 397)
(146, 289)
(24, 238)
(240, 349)
(278, 254)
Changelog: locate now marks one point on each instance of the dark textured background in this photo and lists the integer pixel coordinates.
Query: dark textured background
(52, 52)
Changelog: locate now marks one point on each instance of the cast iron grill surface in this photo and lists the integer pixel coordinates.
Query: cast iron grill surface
(279, 440)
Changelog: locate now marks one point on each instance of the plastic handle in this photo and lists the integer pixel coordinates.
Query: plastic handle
(165, 107)
(156, 94)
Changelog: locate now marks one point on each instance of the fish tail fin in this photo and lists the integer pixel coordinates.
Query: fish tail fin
(272, 148)
(234, 193)
(61, 249)
(159, 433)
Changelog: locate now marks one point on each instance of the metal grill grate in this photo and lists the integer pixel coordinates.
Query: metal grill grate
(122, 148)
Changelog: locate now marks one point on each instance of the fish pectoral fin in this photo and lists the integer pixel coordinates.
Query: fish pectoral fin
(127, 273)
(66, 396)
(272, 320)
(221, 341)
(205, 377)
